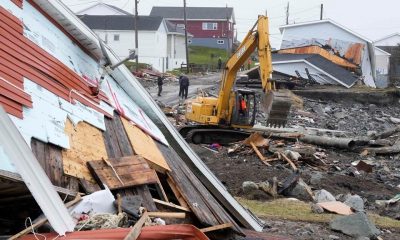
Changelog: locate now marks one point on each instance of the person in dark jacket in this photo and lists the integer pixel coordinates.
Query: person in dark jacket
(160, 82)
(184, 83)
(180, 86)
(219, 63)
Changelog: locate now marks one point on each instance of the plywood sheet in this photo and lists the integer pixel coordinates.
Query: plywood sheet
(86, 144)
(123, 172)
(145, 146)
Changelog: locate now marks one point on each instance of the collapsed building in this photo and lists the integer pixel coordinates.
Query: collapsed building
(74, 125)
(345, 56)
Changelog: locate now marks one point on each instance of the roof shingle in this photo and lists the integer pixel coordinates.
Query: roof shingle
(193, 12)
(121, 22)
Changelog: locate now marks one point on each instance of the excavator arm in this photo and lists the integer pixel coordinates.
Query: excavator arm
(256, 38)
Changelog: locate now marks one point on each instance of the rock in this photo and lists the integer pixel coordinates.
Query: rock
(301, 191)
(318, 109)
(327, 109)
(316, 178)
(340, 115)
(315, 208)
(323, 196)
(371, 133)
(292, 155)
(355, 202)
(372, 107)
(341, 125)
(333, 237)
(249, 186)
(356, 225)
(395, 120)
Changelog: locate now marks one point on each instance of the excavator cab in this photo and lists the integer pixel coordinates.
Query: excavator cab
(244, 108)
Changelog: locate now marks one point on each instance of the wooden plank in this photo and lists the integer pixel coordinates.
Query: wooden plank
(179, 215)
(86, 144)
(200, 201)
(176, 192)
(216, 227)
(123, 139)
(262, 158)
(145, 146)
(288, 160)
(137, 228)
(117, 178)
(171, 205)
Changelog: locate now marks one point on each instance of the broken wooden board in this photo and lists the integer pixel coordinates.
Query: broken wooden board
(122, 172)
(145, 146)
(86, 144)
(257, 139)
(336, 207)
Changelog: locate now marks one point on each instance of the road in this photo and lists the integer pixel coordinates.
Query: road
(169, 95)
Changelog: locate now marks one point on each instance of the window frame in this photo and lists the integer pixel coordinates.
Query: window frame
(220, 41)
(205, 25)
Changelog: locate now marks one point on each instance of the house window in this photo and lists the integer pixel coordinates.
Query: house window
(210, 26)
(116, 37)
(180, 25)
(220, 41)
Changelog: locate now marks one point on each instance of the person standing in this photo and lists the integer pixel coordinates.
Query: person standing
(219, 63)
(185, 86)
(160, 82)
(180, 85)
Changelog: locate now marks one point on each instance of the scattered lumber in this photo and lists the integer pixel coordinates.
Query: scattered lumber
(387, 133)
(385, 150)
(216, 227)
(288, 160)
(262, 158)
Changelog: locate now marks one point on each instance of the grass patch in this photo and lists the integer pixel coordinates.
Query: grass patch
(301, 211)
(206, 55)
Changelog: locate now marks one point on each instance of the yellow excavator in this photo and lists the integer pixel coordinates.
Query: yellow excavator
(219, 119)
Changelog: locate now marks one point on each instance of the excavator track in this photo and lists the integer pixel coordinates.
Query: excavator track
(204, 134)
(277, 106)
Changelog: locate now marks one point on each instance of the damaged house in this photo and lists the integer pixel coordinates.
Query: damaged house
(71, 127)
(337, 47)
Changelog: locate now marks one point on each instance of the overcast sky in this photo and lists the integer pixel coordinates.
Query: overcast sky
(370, 18)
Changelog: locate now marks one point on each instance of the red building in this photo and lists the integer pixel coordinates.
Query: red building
(210, 26)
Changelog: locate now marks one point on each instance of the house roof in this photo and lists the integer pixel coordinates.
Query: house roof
(382, 51)
(174, 29)
(340, 74)
(104, 4)
(121, 22)
(197, 13)
(326, 21)
(388, 36)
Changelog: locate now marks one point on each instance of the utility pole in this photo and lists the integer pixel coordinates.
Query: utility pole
(136, 35)
(322, 11)
(186, 37)
(228, 32)
(287, 14)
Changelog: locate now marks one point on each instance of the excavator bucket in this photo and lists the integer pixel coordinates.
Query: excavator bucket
(277, 106)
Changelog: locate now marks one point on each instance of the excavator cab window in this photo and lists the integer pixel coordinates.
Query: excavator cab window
(244, 110)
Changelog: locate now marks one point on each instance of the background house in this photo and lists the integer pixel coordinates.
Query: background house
(389, 48)
(337, 40)
(102, 9)
(210, 26)
(161, 44)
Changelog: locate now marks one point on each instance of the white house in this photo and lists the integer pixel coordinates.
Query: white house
(101, 8)
(392, 40)
(336, 38)
(161, 43)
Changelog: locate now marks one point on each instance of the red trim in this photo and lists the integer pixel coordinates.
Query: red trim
(20, 57)
(18, 2)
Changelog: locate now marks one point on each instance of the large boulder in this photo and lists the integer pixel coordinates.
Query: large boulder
(356, 225)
